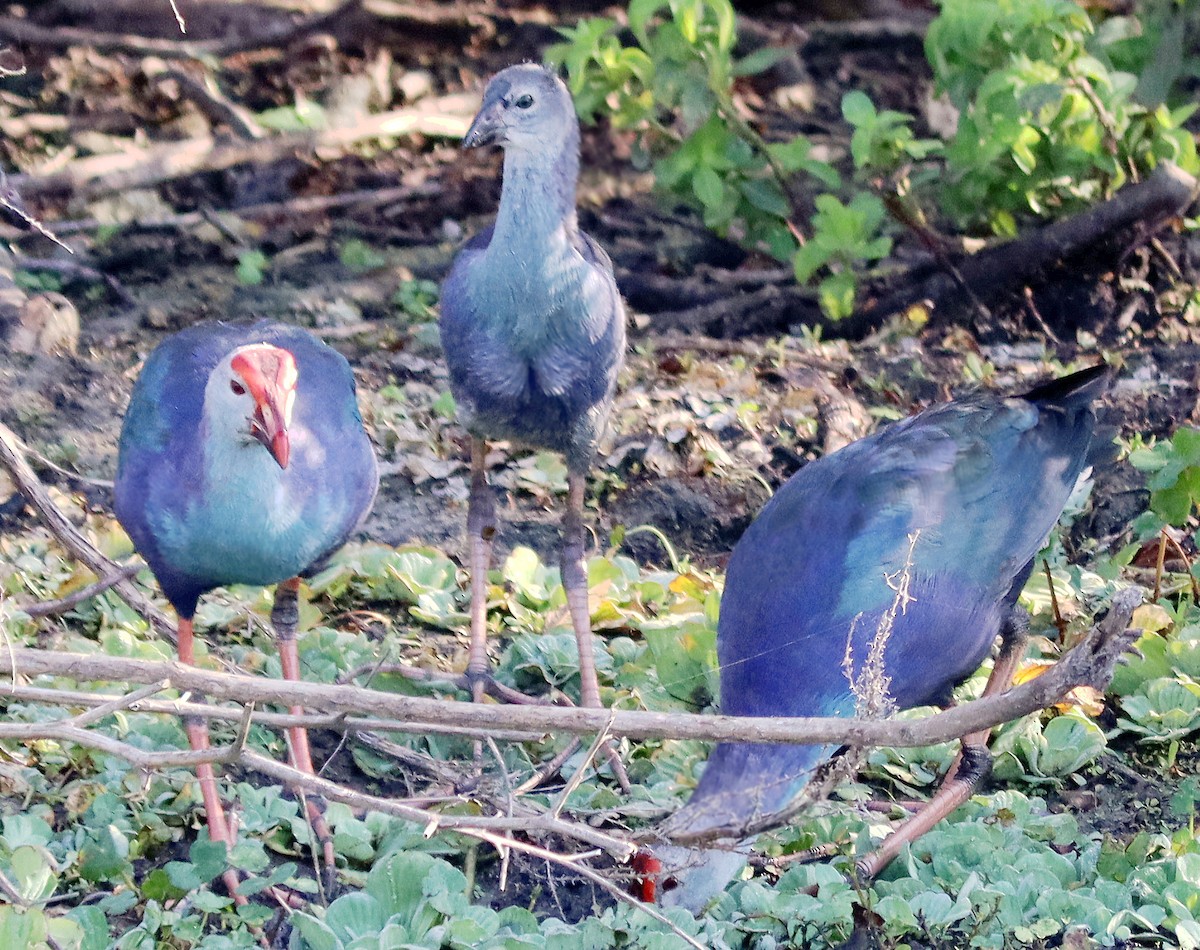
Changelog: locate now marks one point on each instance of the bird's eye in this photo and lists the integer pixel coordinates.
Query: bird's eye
(524, 102)
(238, 388)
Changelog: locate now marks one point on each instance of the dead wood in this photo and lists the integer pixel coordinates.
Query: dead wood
(289, 210)
(1090, 663)
(135, 167)
(12, 459)
(51, 608)
(60, 37)
(205, 96)
(1005, 268)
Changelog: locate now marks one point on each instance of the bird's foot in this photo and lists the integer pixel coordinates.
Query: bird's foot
(973, 766)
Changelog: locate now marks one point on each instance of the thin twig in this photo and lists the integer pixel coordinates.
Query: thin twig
(290, 208)
(336, 722)
(51, 608)
(206, 97)
(79, 546)
(1059, 621)
(118, 704)
(589, 757)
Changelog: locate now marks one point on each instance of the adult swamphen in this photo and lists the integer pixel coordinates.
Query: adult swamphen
(243, 460)
(533, 330)
(879, 577)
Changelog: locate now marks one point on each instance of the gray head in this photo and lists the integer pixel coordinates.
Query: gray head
(525, 108)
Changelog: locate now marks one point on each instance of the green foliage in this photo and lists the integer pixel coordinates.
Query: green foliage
(416, 299)
(881, 140)
(676, 88)
(1045, 125)
(1006, 869)
(252, 267)
(37, 281)
(304, 116)
(843, 236)
(1174, 483)
(358, 256)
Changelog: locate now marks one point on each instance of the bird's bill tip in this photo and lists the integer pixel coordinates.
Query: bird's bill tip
(270, 428)
(485, 128)
(281, 448)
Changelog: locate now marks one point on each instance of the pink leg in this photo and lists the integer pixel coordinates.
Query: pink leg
(481, 528)
(968, 769)
(285, 616)
(197, 733)
(574, 577)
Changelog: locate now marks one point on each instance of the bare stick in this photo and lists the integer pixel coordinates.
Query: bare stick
(206, 97)
(50, 608)
(292, 207)
(79, 546)
(363, 727)
(1090, 662)
(522, 822)
(135, 167)
(89, 739)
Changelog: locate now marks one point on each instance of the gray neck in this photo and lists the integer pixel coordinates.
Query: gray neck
(537, 203)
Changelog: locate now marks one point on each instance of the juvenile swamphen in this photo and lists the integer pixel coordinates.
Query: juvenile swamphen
(243, 460)
(901, 556)
(533, 330)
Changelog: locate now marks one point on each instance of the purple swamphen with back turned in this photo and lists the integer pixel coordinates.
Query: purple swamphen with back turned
(877, 579)
(243, 460)
(533, 329)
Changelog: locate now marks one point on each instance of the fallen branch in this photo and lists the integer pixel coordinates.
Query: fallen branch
(81, 549)
(50, 608)
(74, 731)
(1166, 193)
(207, 98)
(60, 37)
(306, 204)
(1090, 663)
(135, 167)
(333, 722)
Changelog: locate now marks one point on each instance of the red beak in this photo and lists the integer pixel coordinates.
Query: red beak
(269, 428)
(270, 375)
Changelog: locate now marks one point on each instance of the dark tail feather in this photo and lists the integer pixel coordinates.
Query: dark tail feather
(1075, 391)
(1073, 396)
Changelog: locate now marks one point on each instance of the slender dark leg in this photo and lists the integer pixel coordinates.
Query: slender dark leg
(481, 528)
(285, 616)
(197, 733)
(971, 766)
(574, 577)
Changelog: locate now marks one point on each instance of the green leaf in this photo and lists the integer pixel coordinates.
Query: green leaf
(105, 855)
(761, 60)
(314, 934)
(708, 186)
(357, 915)
(34, 872)
(857, 108)
(22, 928)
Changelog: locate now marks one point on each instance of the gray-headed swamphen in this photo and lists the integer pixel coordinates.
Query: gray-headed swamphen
(243, 460)
(880, 574)
(533, 329)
